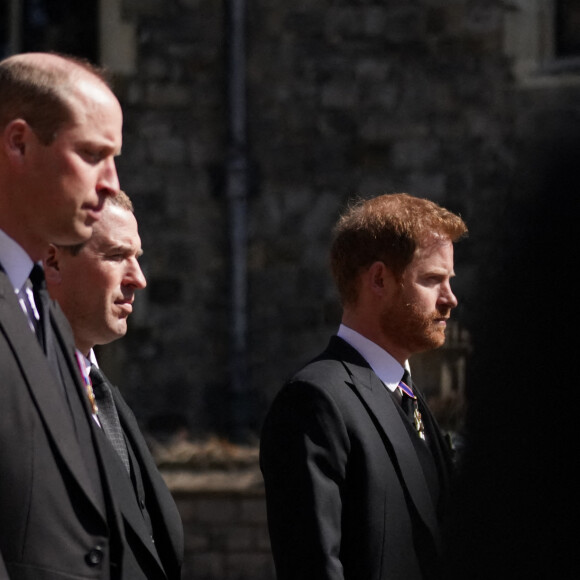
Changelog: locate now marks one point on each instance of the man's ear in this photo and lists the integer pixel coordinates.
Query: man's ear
(380, 279)
(52, 271)
(14, 138)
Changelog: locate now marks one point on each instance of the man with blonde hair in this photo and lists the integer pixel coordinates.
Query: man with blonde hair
(355, 467)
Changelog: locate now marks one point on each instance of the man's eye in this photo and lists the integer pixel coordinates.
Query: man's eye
(92, 156)
(434, 280)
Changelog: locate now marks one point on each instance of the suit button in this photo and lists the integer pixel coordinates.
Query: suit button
(95, 556)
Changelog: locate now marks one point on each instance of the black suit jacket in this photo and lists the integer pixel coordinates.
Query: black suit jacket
(62, 515)
(352, 492)
(152, 492)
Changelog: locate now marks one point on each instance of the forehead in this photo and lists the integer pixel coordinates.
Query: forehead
(116, 227)
(93, 105)
(435, 251)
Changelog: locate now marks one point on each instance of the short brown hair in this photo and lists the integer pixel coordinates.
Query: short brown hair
(120, 199)
(40, 93)
(388, 229)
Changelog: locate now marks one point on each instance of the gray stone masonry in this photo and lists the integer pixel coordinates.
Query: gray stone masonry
(345, 98)
(219, 492)
(226, 536)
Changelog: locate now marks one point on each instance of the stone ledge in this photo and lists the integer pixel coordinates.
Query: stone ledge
(212, 466)
(246, 482)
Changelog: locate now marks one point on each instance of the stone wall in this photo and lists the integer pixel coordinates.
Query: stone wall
(344, 98)
(219, 492)
(226, 536)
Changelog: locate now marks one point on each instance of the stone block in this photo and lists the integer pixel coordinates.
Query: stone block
(249, 567)
(415, 153)
(162, 95)
(139, 8)
(253, 511)
(339, 95)
(238, 539)
(217, 510)
(204, 566)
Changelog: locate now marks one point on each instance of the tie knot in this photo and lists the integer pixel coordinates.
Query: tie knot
(97, 380)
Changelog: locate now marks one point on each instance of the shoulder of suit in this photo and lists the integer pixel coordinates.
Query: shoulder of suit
(321, 377)
(5, 284)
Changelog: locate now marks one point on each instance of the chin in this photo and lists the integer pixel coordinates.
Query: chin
(438, 340)
(120, 331)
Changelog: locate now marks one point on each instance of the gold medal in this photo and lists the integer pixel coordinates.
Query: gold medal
(418, 421)
(91, 396)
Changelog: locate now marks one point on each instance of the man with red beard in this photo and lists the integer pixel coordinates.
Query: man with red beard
(355, 466)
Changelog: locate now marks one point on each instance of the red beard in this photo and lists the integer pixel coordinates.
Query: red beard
(411, 328)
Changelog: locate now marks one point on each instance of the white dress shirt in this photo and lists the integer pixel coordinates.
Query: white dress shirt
(382, 363)
(18, 265)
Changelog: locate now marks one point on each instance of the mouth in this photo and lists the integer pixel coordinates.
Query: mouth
(94, 210)
(126, 306)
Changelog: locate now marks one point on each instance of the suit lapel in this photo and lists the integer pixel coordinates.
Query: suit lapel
(170, 520)
(44, 389)
(383, 408)
(440, 448)
(125, 503)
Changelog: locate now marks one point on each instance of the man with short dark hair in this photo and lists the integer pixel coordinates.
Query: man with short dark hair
(95, 283)
(355, 467)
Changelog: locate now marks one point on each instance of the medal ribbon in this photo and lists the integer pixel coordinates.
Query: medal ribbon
(407, 390)
(87, 380)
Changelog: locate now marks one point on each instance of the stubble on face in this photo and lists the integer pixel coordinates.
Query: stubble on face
(415, 330)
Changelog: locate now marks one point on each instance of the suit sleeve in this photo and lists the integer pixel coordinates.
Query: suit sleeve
(303, 457)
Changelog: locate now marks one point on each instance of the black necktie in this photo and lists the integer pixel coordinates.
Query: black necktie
(30, 307)
(44, 331)
(108, 415)
(42, 302)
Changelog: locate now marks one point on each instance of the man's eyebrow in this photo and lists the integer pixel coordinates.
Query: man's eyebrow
(436, 271)
(122, 248)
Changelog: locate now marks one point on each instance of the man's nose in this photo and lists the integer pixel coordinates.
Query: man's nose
(447, 296)
(108, 183)
(134, 276)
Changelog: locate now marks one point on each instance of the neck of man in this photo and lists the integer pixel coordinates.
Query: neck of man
(83, 346)
(369, 327)
(29, 243)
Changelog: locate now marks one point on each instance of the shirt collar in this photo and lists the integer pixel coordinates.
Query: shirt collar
(15, 261)
(88, 360)
(92, 358)
(382, 363)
